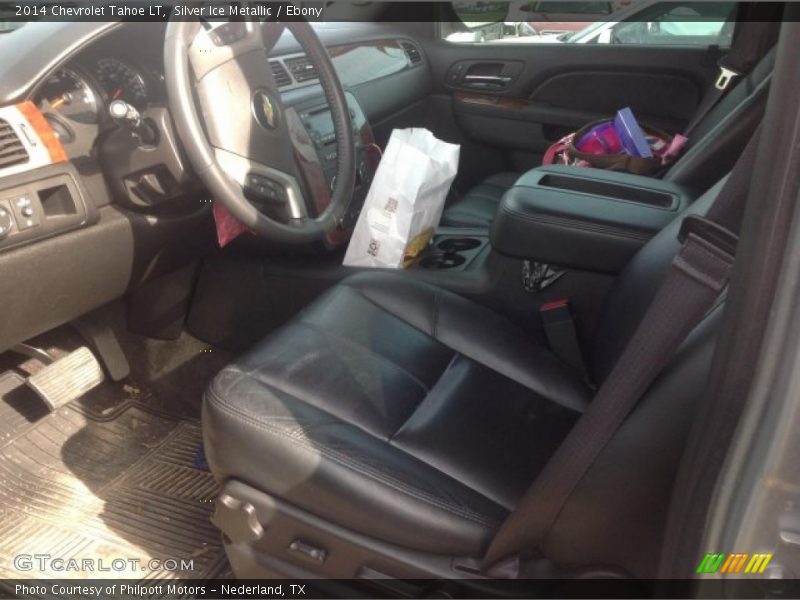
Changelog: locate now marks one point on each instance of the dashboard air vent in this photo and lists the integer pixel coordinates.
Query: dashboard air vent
(412, 52)
(12, 152)
(279, 74)
(301, 68)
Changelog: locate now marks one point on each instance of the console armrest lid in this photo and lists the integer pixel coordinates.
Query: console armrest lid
(585, 218)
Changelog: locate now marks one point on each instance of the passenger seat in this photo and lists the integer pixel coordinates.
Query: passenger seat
(713, 148)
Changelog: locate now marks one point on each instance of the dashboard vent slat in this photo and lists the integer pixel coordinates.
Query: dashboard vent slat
(412, 52)
(279, 74)
(12, 152)
(301, 68)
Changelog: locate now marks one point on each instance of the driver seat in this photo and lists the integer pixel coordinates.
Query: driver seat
(392, 425)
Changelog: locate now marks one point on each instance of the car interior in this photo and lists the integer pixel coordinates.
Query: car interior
(264, 410)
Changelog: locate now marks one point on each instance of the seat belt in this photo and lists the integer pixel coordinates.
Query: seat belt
(696, 277)
(751, 42)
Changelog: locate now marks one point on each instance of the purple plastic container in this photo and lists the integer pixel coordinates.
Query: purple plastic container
(631, 135)
(600, 139)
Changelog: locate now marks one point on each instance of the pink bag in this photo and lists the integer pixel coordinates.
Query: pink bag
(665, 150)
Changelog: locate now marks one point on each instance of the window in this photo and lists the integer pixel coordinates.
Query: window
(620, 22)
(568, 8)
(680, 24)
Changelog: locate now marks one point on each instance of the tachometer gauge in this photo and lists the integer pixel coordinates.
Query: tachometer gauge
(68, 94)
(122, 82)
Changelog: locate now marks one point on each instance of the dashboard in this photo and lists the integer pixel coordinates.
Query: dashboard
(89, 214)
(125, 64)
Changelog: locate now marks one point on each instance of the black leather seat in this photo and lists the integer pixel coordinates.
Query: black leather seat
(380, 399)
(400, 411)
(713, 148)
(477, 207)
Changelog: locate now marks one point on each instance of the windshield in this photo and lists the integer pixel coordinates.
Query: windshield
(571, 37)
(7, 27)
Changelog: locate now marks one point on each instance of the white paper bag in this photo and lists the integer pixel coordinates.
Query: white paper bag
(405, 201)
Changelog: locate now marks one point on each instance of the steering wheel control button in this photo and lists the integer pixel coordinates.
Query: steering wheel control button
(6, 222)
(228, 33)
(265, 109)
(261, 188)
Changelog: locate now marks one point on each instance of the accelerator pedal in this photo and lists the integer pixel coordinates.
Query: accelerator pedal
(67, 378)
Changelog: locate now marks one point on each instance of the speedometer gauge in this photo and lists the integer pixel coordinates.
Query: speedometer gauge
(122, 82)
(68, 94)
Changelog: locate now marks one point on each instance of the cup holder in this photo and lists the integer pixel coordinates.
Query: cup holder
(458, 244)
(449, 253)
(442, 260)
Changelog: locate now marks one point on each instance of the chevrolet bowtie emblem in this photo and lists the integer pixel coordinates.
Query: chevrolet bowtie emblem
(265, 110)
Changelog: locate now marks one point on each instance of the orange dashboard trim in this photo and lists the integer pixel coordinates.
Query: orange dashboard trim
(42, 128)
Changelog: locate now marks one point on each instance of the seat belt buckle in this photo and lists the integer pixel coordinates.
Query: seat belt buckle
(709, 231)
(557, 310)
(725, 77)
(562, 336)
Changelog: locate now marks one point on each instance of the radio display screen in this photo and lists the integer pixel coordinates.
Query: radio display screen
(320, 122)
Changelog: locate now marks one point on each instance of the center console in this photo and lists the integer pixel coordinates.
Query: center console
(314, 141)
(453, 249)
(589, 219)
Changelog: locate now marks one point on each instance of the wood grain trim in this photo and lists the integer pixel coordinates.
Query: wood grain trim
(502, 102)
(42, 128)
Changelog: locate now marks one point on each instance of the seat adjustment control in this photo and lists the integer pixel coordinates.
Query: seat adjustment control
(237, 519)
(309, 551)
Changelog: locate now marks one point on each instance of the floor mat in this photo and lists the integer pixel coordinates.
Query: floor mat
(120, 486)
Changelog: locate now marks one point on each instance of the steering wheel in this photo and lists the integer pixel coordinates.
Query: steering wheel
(242, 148)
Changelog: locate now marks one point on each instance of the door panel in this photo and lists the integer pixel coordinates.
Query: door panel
(532, 94)
(658, 95)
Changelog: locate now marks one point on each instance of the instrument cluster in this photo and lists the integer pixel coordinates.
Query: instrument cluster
(79, 94)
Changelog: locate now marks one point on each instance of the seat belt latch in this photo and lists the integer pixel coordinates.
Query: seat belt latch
(726, 75)
(562, 336)
(713, 233)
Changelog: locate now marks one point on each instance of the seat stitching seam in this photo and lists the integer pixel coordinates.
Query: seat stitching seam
(523, 381)
(389, 312)
(482, 196)
(366, 350)
(394, 435)
(349, 463)
(360, 468)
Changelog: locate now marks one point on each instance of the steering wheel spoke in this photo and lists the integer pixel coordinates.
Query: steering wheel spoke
(275, 193)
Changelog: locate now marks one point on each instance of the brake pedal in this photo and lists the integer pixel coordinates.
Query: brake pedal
(67, 378)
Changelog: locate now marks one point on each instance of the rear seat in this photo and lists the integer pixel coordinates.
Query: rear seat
(715, 144)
